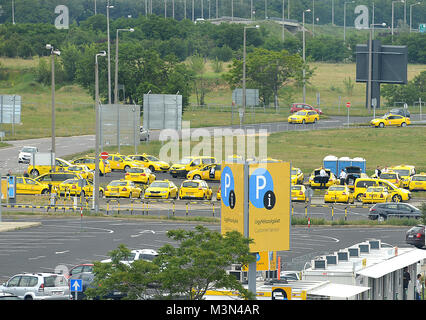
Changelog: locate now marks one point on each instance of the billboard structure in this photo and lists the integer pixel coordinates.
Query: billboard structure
(388, 65)
(10, 109)
(162, 111)
(120, 124)
(252, 97)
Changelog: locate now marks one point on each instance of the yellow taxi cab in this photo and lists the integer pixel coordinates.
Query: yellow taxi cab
(195, 189)
(161, 189)
(121, 162)
(122, 189)
(296, 176)
(60, 165)
(25, 185)
(304, 116)
(339, 193)
(218, 194)
(405, 172)
(150, 162)
(187, 164)
(78, 187)
(397, 194)
(376, 194)
(390, 120)
(392, 177)
(315, 181)
(209, 172)
(90, 162)
(298, 192)
(56, 178)
(140, 175)
(417, 182)
(83, 170)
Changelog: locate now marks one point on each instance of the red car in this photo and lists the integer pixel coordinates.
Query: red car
(303, 106)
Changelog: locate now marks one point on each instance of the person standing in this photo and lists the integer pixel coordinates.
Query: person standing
(405, 280)
(377, 172)
(418, 287)
(323, 177)
(342, 177)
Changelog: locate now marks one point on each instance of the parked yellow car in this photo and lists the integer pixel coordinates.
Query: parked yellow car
(195, 189)
(375, 195)
(161, 189)
(298, 193)
(121, 162)
(140, 175)
(391, 120)
(392, 177)
(405, 172)
(218, 194)
(209, 172)
(398, 194)
(76, 187)
(188, 164)
(26, 185)
(296, 176)
(83, 170)
(304, 116)
(150, 162)
(122, 189)
(314, 178)
(417, 182)
(56, 178)
(37, 170)
(339, 193)
(90, 162)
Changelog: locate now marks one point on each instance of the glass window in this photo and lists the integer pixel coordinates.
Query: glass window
(76, 270)
(33, 282)
(196, 162)
(14, 281)
(29, 181)
(25, 281)
(19, 180)
(190, 184)
(88, 269)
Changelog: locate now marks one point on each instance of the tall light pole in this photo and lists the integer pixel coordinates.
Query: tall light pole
(393, 2)
(370, 65)
(304, 58)
(411, 12)
(332, 12)
(344, 19)
(109, 53)
(283, 35)
(244, 64)
(116, 85)
(266, 9)
(13, 12)
(53, 53)
(97, 129)
(313, 18)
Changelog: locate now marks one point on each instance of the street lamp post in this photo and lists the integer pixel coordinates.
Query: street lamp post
(53, 52)
(109, 53)
(313, 18)
(97, 129)
(244, 65)
(393, 2)
(370, 65)
(13, 12)
(411, 12)
(116, 84)
(344, 19)
(304, 58)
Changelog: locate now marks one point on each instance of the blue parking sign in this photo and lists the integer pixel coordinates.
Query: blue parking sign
(76, 285)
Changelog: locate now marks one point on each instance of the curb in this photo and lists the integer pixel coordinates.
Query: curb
(9, 226)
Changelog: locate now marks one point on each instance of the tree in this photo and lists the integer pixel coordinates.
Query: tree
(409, 93)
(198, 67)
(196, 265)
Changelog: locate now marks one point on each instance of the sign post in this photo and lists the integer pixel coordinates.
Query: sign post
(348, 106)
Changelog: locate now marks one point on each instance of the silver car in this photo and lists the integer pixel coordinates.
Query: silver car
(38, 286)
(26, 153)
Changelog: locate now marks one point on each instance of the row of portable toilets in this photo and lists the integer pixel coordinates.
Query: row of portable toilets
(337, 164)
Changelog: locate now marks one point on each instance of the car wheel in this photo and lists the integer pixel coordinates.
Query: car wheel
(403, 124)
(315, 120)
(151, 168)
(197, 177)
(45, 191)
(396, 198)
(303, 121)
(28, 298)
(381, 124)
(35, 173)
(126, 168)
(101, 194)
(359, 197)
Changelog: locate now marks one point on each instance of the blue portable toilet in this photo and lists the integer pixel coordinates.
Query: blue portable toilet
(342, 163)
(330, 162)
(359, 162)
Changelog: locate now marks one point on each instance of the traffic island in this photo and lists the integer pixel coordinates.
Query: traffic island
(9, 226)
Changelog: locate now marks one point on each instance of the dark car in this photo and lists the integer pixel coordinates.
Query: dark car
(87, 279)
(416, 236)
(399, 111)
(382, 211)
(303, 106)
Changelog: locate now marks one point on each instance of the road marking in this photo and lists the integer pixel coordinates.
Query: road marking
(61, 252)
(36, 258)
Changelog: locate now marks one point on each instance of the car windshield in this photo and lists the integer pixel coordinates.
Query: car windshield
(75, 169)
(293, 172)
(190, 184)
(159, 185)
(301, 113)
(70, 181)
(127, 159)
(296, 188)
(29, 149)
(403, 172)
(388, 176)
(130, 257)
(136, 170)
(152, 158)
(184, 161)
(419, 178)
(337, 188)
(117, 183)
